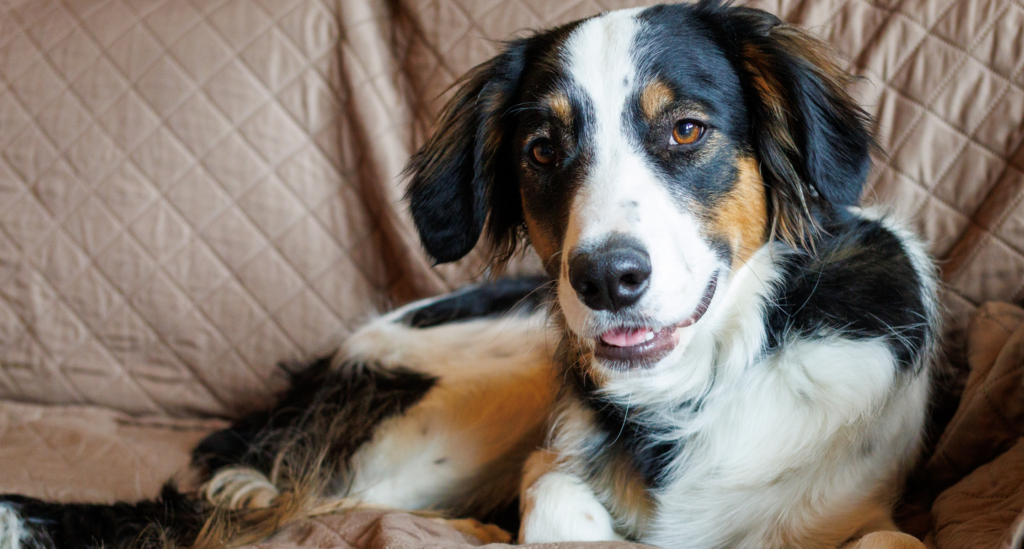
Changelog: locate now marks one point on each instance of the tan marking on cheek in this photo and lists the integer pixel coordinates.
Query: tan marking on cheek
(742, 216)
(543, 242)
(560, 106)
(655, 97)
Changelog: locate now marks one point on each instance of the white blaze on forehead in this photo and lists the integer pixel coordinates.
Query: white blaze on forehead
(598, 56)
(599, 60)
(623, 191)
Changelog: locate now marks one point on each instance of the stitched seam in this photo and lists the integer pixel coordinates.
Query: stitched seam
(272, 98)
(194, 369)
(989, 234)
(941, 86)
(970, 52)
(999, 322)
(59, 296)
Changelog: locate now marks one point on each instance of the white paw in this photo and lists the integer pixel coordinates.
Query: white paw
(240, 488)
(560, 507)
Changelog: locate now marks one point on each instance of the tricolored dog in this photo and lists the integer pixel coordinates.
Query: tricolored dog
(726, 352)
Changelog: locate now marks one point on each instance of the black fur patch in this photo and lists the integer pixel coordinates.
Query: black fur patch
(624, 430)
(172, 519)
(707, 83)
(331, 411)
(487, 300)
(860, 284)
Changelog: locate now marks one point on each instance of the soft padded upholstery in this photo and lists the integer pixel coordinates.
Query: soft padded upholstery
(193, 191)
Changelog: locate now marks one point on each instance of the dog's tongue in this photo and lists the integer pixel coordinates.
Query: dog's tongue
(625, 337)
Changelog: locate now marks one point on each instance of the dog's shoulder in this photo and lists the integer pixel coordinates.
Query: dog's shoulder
(865, 278)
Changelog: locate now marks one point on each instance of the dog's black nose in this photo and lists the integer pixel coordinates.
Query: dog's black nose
(611, 278)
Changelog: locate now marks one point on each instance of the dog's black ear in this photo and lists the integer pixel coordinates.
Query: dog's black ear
(812, 139)
(463, 174)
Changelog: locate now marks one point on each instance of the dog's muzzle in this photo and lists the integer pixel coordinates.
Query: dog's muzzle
(632, 347)
(612, 277)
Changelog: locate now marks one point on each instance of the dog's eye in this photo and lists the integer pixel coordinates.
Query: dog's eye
(687, 132)
(543, 152)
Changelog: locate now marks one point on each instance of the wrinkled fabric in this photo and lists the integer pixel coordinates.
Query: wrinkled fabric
(190, 194)
(377, 530)
(977, 469)
(85, 453)
(193, 192)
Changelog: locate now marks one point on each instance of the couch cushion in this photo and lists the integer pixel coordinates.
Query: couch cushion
(85, 453)
(181, 204)
(191, 192)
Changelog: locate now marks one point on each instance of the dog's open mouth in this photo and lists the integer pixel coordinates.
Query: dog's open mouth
(638, 347)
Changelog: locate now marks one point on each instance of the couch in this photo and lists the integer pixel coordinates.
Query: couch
(192, 192)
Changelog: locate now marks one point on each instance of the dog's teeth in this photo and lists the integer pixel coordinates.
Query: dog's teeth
(649, 336)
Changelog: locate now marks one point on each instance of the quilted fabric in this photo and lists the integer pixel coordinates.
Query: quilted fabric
(191, 192)
(990, 417)
(977, 469)
(178, 210)
(84, 453)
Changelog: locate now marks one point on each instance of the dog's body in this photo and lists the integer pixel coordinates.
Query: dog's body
(730, 353)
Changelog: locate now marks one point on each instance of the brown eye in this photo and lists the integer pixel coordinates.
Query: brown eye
(687, 132)
(543, 152)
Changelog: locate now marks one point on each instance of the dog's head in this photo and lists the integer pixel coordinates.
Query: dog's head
(646, 155)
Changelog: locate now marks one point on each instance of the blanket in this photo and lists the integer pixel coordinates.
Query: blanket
(192, 192)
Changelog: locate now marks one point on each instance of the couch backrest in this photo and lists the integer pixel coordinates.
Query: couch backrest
(191, 192)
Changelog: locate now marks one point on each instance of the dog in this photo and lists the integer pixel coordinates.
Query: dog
(726, 350)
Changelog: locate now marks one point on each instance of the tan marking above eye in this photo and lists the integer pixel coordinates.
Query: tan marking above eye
(560, 106)
(654, 98)
(742, 215)
(687, 132)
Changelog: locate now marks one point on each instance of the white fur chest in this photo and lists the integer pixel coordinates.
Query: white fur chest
(819, 427)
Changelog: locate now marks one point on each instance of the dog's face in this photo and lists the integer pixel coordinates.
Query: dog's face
(647, 154)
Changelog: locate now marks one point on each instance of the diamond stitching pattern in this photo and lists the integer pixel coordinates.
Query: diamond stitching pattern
(192, 191)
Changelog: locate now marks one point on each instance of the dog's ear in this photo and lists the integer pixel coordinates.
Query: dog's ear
(463, 176)
(812, 139)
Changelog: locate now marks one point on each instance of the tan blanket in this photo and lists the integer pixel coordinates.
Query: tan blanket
(977, 468)
(376, 530)
(82, 453)
(191, 192)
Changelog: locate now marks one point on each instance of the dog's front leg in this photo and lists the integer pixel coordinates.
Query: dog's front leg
(559, 506)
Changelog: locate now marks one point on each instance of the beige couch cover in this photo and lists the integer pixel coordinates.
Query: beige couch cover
(193, 191)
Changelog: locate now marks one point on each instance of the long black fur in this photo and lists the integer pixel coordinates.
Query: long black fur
(814, 158)
(624, 431)
(488, 300)
(325, 411)
(173, 519)
(847, 289)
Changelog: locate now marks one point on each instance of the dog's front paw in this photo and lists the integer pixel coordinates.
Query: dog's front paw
(240, 488)
(560, 507)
